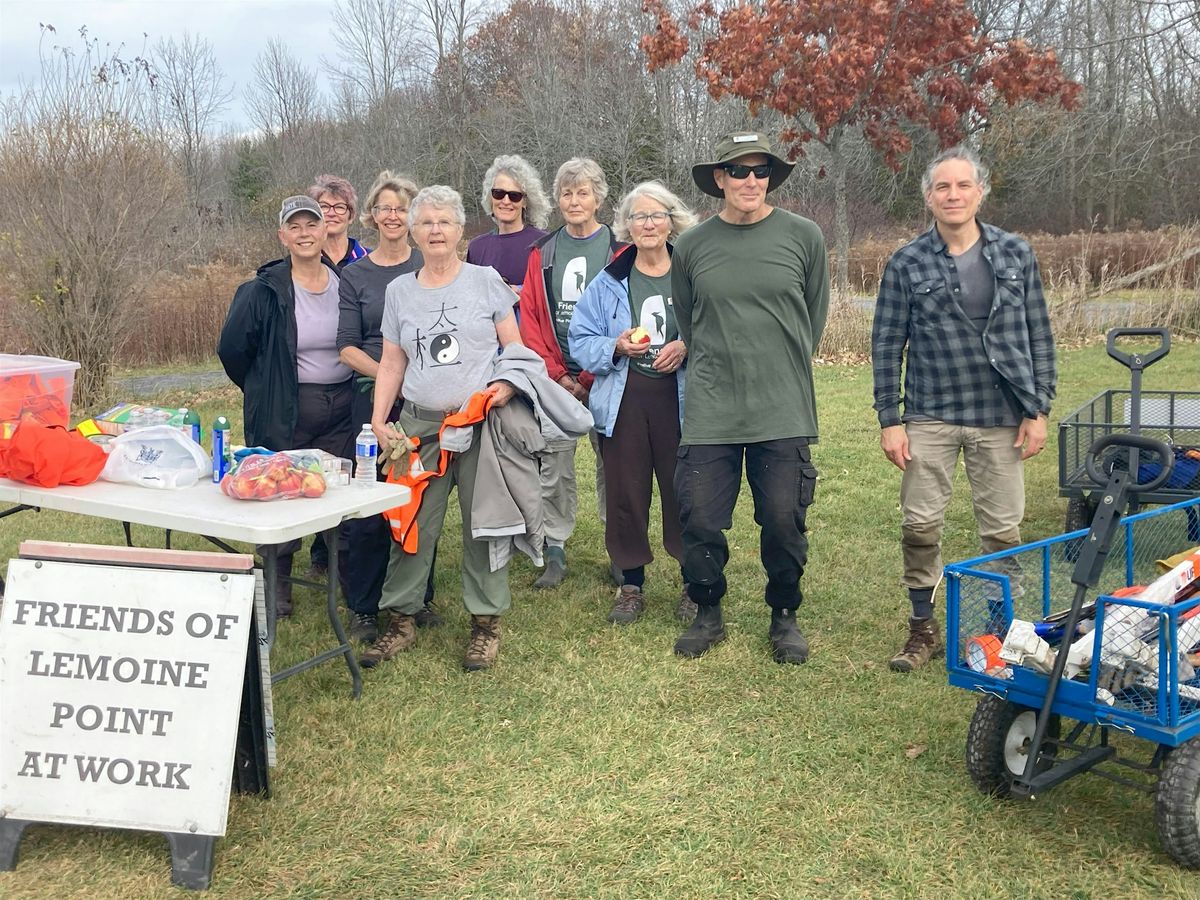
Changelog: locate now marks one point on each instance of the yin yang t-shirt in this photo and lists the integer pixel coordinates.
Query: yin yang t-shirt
(448, 333)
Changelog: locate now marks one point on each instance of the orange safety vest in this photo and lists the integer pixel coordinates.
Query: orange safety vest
(403, 519)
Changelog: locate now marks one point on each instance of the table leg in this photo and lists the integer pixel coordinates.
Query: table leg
(270, 554)
(331, 541)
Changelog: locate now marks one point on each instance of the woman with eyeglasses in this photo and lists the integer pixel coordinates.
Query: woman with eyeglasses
(514, 199)
(360, 344)
(441, 326)
(339, 205)
(623, 332)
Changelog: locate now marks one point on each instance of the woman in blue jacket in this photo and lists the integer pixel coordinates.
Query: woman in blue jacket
(623, 331)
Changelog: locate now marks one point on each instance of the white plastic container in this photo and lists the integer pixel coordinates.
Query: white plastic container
(35, 389)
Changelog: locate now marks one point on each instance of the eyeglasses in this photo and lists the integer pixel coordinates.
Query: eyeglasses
(442, 225)
(654, 218)
(340, 208)
(739, 172)
(386, 211)
(513, 196)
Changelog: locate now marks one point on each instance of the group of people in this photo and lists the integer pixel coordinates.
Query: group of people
(679, 349)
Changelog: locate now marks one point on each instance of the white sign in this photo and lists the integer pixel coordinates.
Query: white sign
(119, 694)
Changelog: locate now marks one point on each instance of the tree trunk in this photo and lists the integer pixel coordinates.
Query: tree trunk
(841, 218)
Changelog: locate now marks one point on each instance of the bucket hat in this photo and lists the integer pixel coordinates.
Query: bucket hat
(732, 146)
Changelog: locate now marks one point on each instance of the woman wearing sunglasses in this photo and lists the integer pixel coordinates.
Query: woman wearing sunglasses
(623, 331)
(513, 197)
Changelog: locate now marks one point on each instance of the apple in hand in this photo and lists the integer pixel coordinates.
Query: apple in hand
(639, 335)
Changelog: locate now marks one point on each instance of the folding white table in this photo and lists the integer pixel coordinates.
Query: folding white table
(202, 509)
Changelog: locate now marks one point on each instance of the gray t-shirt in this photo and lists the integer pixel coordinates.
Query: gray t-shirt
(978, 285)
(576, 262)
(317, 359)
(447, 333)
(650, 305)
(360, 302)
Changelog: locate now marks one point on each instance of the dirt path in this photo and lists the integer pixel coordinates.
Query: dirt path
(149, 385)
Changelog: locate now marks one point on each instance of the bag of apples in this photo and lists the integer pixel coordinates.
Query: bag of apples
(274, 476)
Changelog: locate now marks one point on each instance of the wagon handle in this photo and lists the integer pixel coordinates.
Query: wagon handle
(1136, 442)
(1138, 361)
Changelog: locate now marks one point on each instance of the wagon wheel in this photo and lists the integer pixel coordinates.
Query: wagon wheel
(1177, 804)
(998, 742)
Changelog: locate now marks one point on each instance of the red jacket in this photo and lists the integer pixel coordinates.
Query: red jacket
(537, 319)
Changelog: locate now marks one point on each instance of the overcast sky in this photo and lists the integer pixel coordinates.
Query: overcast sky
(236, 29)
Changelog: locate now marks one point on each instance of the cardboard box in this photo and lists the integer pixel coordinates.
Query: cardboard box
(116, 420)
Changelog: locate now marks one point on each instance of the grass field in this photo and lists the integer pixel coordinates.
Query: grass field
(592, 762)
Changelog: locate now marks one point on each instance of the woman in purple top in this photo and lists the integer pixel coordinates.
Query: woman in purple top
(513, 197)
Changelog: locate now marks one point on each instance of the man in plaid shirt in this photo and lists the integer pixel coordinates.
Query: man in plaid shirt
(966, 299)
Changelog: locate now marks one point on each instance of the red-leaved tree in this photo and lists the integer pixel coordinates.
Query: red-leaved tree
(831, 68)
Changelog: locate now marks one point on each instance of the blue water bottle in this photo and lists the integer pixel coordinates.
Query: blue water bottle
(221, 451)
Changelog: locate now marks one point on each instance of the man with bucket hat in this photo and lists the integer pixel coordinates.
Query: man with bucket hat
(751, 293)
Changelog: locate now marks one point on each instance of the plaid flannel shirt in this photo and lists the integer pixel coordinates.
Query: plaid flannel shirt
(953, 373)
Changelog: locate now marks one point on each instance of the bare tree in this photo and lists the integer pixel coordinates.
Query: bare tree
(91, 197)
(192, 93)
(374, 39)
(283, 96)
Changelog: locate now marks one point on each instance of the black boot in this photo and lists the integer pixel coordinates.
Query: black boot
(707, 629)
(283, 588)
(787, 641)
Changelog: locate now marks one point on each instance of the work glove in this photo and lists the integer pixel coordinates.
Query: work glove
(396, 453)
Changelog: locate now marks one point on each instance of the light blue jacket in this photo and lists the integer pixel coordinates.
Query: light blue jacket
(600, 316)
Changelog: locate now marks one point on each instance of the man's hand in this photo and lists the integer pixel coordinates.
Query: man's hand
(1031, 434)
(894, 441)
(501, 391)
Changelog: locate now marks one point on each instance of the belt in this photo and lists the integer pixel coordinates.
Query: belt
(429, 415)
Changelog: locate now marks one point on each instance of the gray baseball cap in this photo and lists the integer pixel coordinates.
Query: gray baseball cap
(298, 204)
(733, 146)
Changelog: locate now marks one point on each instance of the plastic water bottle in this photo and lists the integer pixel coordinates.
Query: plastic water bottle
(222, 452)
(191, 425)
(366, 453)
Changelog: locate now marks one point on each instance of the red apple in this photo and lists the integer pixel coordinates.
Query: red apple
(639, 335)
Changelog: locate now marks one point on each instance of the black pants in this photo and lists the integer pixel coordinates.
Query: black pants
(323, 422)
(782, 481)
(369, 540)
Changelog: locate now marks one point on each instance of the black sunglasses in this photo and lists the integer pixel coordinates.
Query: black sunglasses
(737, 171)
(513, 196)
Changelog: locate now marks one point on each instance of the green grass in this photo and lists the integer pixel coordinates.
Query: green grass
(592, 762)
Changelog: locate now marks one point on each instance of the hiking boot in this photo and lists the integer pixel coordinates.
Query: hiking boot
(364, 628)
(400, 635)
(484, 646)
(556, 568)
(686, 610)
(427, 617)
(316, 571)
(788, 644)
(924, 643)
(629, 606)
(707, 629)
(283, 587)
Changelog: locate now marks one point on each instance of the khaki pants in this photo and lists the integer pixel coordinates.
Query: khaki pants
(485, 593)
(996, 475)
(560, 496)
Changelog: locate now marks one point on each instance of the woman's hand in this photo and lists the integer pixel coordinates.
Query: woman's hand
(386, 434)
(626, 347)
(577, 390)
(671, 357)
(501, 391)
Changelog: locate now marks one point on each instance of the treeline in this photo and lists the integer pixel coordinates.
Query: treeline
(117, 169)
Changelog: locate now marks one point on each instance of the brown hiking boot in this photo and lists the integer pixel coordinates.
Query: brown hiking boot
(629, 605)
(686, 610)
(924, 643)
(400, 635)
(484, 646)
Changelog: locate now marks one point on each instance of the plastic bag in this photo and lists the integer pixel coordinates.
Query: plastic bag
(160, 456)
(275, 476)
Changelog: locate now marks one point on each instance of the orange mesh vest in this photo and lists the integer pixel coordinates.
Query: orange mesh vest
(403, 519)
